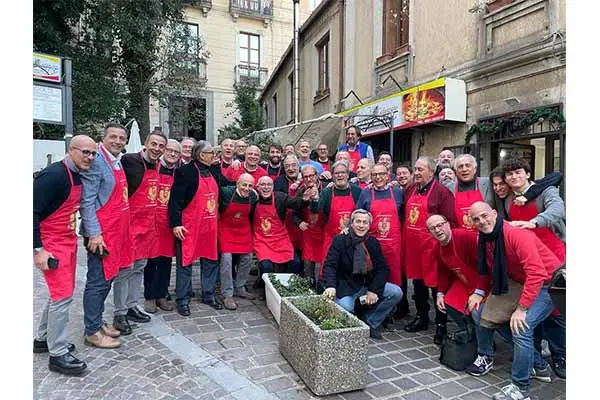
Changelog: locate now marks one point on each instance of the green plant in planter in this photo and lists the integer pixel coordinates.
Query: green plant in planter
(322, 311)
(297, 286)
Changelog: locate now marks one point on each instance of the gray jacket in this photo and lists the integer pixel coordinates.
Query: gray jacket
(98, 183)
(485, 188)
(551, 211)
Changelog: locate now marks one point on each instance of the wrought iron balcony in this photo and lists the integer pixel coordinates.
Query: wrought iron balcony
(245, 73)
(256, 9)
(204, 5)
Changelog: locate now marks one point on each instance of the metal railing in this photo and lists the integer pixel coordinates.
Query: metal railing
(245, 73)
(252, 8)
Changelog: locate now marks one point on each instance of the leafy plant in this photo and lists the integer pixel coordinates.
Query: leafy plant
(297, 286)
(322, 311)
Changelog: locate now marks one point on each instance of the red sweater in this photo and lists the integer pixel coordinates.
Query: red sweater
(234, 174)
(441, 200)
(457, 260)
(528, 261)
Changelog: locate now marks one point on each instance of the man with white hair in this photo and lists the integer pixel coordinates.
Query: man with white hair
(468, 189)
(187, 143)
(227, 153)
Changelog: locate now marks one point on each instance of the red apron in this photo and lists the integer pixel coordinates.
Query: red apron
(339, 216)
(530, 211)
(114, 218)
(165, 247)
(312, 237)
(419, 244)
(386, 229)
(234, 174)
(354, 158)
(462, 204)
(235, 235)
(59, 238)
(144, 235)
(464, 282)
(326, 165)
(271, 239)
(294, 232)
(200, 219)
(268, 169)
(363, 185)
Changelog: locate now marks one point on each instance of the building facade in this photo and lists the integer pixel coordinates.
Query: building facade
(244, 40)
(420, 76)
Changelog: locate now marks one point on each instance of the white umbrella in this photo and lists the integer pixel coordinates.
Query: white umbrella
(135, 143)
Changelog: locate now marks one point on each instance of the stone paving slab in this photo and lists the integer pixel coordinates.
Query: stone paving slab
(221, 354)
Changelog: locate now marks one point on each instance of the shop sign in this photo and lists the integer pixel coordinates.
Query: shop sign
(47, 68)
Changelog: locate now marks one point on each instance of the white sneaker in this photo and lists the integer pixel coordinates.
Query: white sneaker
(511, 392)
(545, 349)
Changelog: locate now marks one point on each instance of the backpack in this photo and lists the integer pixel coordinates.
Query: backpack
(459, 349)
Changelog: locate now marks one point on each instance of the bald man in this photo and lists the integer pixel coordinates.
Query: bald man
(510, 252)
(363, 173)
(250, 166)
(56, 200)
(235, 233)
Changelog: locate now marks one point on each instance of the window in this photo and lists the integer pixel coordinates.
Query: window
(291, 85)
(249, 56)
(188, 46)
(275, 109)
(323, 57)
(314, 4)
(395, 27)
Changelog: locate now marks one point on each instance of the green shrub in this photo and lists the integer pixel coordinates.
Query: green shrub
(322, 311)
(297, 286)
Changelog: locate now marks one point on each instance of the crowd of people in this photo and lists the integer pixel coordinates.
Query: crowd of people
(356, 228)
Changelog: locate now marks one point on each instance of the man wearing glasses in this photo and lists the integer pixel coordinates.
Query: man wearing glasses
(157, 273)
(141, 170)
(193, 211)
(56, 200)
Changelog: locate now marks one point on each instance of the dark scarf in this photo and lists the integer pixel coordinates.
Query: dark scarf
(500, 278)
(361, 261)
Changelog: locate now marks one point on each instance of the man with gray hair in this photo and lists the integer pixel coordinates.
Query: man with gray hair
(355, 268)
(187, 143)
(426, 196)
(468, 189)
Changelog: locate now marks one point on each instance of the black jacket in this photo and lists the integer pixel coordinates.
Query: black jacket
(337, 269)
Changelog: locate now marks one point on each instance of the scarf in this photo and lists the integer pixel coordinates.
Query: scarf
(500, 278)
(361, 261)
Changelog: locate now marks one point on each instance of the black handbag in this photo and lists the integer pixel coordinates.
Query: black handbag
(459, 349)
(558, 290)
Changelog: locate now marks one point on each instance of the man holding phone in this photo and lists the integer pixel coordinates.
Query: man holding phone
(105, 224)
(56, 200)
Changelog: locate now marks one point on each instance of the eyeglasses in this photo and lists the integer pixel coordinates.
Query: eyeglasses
(379, 173)
(208, 152)
(87, 153)
(436, 227)
(308, 176)
(172, 151)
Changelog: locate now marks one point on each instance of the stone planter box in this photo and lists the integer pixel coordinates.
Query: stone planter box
(328, 361)
(273, 298)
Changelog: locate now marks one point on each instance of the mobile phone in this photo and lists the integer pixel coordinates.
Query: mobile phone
(363, 299)
(52, 263)
(104, 252)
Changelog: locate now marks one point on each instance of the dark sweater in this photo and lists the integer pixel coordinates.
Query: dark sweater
(133, 166)
(51, 188)
(282, 203)
(272, 171)
(282, 184)
(338, 267)
(364, 201)
(228, 194)
(324, 203)
(441, 200)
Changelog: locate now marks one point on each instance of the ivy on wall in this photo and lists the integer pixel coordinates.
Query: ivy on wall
(516, 122)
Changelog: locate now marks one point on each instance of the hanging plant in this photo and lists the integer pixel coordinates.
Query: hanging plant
(515, 122)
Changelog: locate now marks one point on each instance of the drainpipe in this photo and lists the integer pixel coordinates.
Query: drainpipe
(341, 44)
(296, 59)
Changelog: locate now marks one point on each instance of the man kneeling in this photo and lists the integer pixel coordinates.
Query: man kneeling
(355, 267)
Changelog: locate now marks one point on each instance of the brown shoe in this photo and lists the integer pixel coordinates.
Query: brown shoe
(101, 341)
(164, 304)
(150, 306)
(229, 303)
(244, 294)
(110, 331)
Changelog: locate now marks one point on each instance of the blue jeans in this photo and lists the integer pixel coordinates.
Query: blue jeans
(553, 329)
(94, 295)
(525, 357)
(209, 270)
(384, 306)
(295, 266)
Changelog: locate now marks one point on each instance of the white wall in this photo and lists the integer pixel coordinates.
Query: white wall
(43, 147)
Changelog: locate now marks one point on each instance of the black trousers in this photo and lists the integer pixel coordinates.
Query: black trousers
(422, 302)
(461, 320)
(157, 275)
(403, 305)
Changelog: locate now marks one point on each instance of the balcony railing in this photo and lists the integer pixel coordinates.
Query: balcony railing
(249, 74)
(257, 9)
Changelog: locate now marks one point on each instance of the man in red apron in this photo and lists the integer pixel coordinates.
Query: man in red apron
(404, 176)
(157, 273)
(105, 226)
(227, 152)
(336, 203)
(274, 167)
(356, 149)
(193, 213)
(363, 173)
(56, 199)
(311, 228)
(386, 205)
(142, 173)
(250, 166)
(468, 189)
(425, 197)
(235, 238)
(385, 158)
(272, 245)
(323, 157)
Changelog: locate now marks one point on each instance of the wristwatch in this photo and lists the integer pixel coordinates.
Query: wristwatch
(37, 250)
(522, 308)
(535, 222)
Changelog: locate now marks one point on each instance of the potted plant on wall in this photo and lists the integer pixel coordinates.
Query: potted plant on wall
(325, 344)
(283, 285)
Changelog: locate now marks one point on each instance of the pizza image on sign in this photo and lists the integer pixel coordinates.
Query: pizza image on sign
(424, 104)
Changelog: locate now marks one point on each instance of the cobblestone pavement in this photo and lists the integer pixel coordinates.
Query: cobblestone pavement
(234, 355)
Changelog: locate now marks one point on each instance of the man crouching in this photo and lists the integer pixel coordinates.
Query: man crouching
(355, 267)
